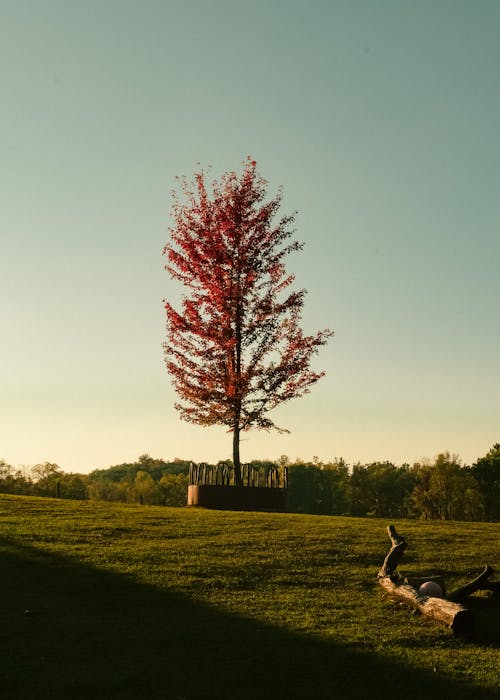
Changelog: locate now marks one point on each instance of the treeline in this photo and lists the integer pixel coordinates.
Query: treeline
(442, 488)
(148, 481)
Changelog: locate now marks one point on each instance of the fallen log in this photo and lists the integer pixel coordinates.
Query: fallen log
(453, 614)
(450, 612)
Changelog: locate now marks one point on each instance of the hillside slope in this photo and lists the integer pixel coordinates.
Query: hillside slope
(115, 601)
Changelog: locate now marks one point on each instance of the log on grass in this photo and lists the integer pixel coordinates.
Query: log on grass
(450, 612)
(453, 614)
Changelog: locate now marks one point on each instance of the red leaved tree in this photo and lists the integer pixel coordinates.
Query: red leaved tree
(235, 350)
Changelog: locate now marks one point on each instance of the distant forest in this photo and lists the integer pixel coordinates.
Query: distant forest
(442, 488)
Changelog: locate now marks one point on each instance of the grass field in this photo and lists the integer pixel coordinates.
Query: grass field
(112, 601)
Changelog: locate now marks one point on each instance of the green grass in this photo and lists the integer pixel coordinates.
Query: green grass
(145, 602)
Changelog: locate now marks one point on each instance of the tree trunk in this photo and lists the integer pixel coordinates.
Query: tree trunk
(236, 456)
(454, 615)
(237, 405)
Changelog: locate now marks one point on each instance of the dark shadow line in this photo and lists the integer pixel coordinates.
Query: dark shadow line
(72, 631)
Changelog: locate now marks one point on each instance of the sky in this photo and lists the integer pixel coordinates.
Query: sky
(378, 119)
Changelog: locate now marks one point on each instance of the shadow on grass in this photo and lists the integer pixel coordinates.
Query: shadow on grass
(486, 611)
(93, 634)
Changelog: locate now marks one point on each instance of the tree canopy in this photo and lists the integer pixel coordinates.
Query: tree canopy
(235, 350)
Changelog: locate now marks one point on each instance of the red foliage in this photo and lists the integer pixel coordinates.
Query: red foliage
(235, 350)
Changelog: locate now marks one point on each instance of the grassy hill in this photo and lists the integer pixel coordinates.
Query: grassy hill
(113, 601)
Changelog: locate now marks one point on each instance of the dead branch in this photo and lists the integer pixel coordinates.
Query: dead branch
(450, 612)
(395, 553)
(480, 583)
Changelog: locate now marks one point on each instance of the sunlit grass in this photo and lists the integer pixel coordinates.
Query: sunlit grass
(301, 577)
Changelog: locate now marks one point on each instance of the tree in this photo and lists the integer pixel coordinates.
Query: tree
(423, 497)
(304, 490)
(486, 472)
(361, 497)
(14, 480)
(387, 487)
(46, 477)
(145, 489)
(445, 490)
(73, 486)
(103, 489)
(173, 489)
(337, 474)
(235, 350)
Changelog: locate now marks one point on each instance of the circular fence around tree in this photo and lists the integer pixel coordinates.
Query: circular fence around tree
(213, 486)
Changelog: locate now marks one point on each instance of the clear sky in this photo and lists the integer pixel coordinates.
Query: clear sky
(381, 122)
